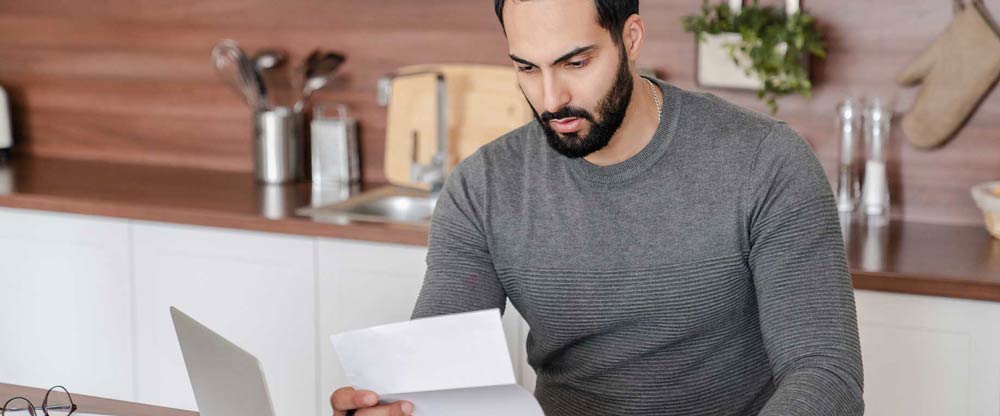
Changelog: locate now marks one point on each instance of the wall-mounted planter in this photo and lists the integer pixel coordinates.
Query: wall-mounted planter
(715, 67)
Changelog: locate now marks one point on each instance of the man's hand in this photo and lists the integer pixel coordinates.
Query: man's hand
(347, 398)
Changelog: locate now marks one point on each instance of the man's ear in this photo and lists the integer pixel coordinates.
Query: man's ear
(633, 34)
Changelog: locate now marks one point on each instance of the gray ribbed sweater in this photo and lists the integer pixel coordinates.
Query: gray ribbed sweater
(704, 276)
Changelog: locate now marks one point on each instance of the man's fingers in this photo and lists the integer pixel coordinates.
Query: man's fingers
(347, 398)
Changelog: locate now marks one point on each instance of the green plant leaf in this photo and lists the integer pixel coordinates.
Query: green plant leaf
(762, 30)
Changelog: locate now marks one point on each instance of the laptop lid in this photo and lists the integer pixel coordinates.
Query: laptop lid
(227, 380)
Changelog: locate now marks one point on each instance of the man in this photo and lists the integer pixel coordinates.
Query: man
(673, 254)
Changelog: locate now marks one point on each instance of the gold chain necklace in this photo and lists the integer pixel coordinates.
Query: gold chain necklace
(656, 99)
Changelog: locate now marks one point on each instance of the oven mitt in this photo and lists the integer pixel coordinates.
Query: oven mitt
(956, 71)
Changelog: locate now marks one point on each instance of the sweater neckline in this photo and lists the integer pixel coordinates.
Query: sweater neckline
(650, 154)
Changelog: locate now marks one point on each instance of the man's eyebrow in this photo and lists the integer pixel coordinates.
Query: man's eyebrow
(565, 57)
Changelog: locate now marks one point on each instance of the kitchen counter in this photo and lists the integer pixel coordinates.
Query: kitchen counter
(925, 259)
(938, 260)
(178, 195)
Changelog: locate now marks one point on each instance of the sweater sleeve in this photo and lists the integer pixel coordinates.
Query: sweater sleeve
(460, 274)
(804, 293)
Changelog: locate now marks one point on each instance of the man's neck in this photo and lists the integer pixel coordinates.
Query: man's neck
(637, 129)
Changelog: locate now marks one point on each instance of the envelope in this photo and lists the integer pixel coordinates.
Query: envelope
(449, 365)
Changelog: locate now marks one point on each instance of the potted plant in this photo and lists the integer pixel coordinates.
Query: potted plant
(756, 47)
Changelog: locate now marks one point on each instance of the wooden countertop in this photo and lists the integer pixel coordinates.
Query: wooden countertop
(90, 404)
(178, 195)
(925, 259)
(938, 260)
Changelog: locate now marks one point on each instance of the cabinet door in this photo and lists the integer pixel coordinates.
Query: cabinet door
(255, 289)
(66, 309)
(929, 356)
(362, 284)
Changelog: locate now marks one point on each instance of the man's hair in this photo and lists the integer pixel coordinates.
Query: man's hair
(611, 14)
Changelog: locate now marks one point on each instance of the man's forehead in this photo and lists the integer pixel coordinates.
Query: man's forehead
(543, 30)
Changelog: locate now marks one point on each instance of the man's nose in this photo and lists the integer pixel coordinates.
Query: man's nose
(556, 94)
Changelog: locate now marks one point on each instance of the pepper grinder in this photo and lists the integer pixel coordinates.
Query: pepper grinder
(875, 193)
(848, 181)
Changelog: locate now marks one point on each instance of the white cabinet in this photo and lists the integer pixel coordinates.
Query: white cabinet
(89, 298)
(362, 284)
(85, 304)
(256, 289)
(929, 355)
(65, 313)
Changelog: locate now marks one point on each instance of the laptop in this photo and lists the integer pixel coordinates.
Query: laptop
(227, 380)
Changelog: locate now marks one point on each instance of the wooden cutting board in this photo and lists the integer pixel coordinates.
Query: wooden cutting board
(483, 103)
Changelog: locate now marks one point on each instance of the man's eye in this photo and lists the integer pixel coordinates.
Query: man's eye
(577, 64)
(525, 68)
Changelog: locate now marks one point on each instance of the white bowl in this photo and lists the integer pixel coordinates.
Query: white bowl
(986, 198)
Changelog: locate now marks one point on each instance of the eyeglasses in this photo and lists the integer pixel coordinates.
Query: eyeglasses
(57, 402)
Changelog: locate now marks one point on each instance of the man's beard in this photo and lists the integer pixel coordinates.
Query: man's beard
(611, 110)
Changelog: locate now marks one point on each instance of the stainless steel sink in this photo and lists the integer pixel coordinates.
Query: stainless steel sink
(387, 204)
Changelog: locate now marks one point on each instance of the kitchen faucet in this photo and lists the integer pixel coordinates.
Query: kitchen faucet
(435, 172)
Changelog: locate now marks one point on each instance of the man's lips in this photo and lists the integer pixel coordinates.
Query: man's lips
(566, 125)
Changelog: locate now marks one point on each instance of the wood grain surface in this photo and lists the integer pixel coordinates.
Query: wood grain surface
(179, 195)
(123, 81)
(91, 404)
(482, 103)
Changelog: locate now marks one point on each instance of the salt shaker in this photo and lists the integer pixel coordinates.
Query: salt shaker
(875, 193)
(849, 132)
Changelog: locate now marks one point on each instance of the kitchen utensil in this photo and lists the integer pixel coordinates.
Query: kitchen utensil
(269, 58)
(302, 74)
(849, 131)
(6, 136)
(268, 65)
(278, 145)
(955, 73)
(236, 69)
(987, 197)
(334, 147)
(483, 103)
(317, 70)
(875, 194)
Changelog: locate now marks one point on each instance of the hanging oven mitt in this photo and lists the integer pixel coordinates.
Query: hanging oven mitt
(956, 71)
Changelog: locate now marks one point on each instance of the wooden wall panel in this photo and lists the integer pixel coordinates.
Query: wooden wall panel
(131, 81)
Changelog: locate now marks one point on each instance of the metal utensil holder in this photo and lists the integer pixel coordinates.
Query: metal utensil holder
(279, 148)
